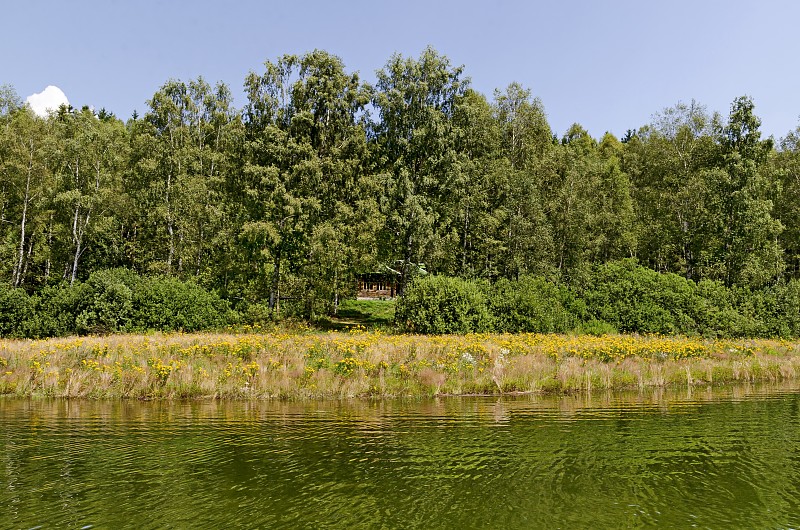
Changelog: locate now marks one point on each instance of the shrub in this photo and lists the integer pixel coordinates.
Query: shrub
(16, 311)
(636, 299)
(595, 327)
(532, 304)
(789, 307)
(107, 302)
(718, 312)
(774, 311)
(168, 304)
(57, 307)
(118, 300)
(256, 313)
(440, 304)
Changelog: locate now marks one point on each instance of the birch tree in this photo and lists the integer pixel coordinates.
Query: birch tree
(24, 187)
(90, 160)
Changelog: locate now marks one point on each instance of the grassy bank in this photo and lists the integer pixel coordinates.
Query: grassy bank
(352, 313)
(302, 364)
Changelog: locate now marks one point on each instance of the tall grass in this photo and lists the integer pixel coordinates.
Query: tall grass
(301, 364)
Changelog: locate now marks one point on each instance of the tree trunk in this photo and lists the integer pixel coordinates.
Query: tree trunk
(275, 293)
(336, 292)
(171, 255)
(464, 242)
(78, 232)
(27, 260)
(170, 225)
(19, 265)
(74, 273)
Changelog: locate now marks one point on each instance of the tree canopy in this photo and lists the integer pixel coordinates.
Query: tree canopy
(320, 177)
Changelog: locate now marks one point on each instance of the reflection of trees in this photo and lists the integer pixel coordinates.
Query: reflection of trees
(725, 456)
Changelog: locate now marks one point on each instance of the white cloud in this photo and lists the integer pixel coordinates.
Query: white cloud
(47, 100)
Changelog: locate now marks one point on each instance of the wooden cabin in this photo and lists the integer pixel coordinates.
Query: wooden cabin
(377, 285)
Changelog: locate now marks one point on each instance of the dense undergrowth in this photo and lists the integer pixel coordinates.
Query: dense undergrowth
(112, 301)
(614, 297)
(617, 297)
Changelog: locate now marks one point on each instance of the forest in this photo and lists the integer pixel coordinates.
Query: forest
(274, 209)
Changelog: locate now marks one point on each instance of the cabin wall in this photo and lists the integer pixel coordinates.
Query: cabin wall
(376, 287)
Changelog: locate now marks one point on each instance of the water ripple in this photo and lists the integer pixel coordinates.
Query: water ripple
(727, 458)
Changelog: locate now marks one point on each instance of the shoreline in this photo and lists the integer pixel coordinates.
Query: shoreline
(306, 365)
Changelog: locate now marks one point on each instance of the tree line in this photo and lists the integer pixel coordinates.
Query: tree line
(279, 205)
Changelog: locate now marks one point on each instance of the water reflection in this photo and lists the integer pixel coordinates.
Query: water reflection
(724, 457)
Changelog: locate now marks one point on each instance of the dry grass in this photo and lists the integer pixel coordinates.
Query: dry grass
(306, 365)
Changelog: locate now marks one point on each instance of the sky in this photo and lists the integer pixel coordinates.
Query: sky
(608, 65)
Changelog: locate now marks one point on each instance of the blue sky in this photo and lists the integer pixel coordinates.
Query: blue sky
(607, 65)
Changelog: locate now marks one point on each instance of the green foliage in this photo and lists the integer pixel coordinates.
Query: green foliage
(773, 311)
(415, 141)
(16, 311)
(616, 297)
(278, 207)
(106, 304)
(789, 308)
(57, 308)
(112, 301)
(719, 311)
(440, 304)
(168, 304)
(368, 312)
(595, 327)
(532, 304)
(637, 299)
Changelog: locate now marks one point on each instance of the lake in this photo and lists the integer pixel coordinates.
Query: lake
(721, 458)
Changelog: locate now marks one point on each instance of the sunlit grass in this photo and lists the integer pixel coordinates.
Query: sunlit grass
(370, 313)
(302, 364)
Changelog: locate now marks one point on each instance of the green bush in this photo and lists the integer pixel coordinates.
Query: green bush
(532, 304)
(636, 299)
(440, 304)
(595, 327)
(16, 312)
(168, 304)
(102, 304)
(107, 302)
(717, 312)
(112, 301)
(57, 308)
(774, 311)
(789, 307)
(256, 313)
(617, 296)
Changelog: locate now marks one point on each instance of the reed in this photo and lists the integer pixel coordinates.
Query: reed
(303, 364)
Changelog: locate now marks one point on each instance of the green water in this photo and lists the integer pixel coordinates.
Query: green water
(721, 459)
